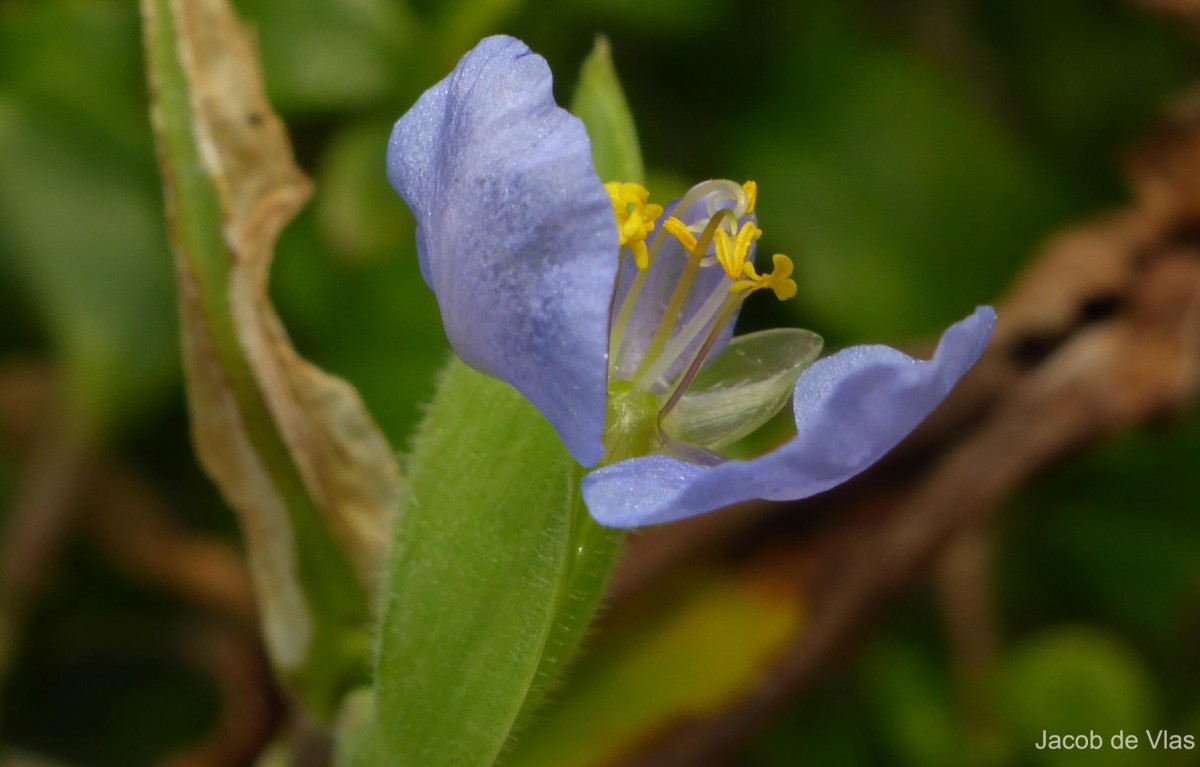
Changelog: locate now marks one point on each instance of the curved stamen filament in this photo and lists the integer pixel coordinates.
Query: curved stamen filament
(726, 313)
(617, 331)
(625, 313)
(718, 191)
(684, 338)
(722, 303)
(682, 288)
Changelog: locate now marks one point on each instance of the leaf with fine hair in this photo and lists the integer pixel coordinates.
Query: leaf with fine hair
(492, 580)
(493, 577)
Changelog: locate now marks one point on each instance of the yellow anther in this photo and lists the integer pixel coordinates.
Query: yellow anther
(780, 280)
(635, 218)
(732, 252)
(751, 190)
(679, 231)
(725, 255)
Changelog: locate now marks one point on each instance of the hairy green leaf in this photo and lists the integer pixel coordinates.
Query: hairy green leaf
(494, 573)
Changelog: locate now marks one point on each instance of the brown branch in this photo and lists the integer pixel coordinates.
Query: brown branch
(1101, 333)
(54, 457)
(250, 705)
(966, 588)
(136, 530)
(65, 489)
(1184, 11)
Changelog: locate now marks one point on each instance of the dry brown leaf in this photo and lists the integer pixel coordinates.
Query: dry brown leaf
(346, 465)
(346, 462)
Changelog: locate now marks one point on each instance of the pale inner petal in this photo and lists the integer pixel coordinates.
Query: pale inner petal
(742, 388)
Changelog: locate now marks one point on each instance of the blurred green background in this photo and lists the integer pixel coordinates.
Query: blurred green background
(909, 156)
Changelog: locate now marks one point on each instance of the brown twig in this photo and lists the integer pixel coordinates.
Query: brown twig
(134, 527)
(1185, 11)
(249, 705)
(965, 586)
(55, 458)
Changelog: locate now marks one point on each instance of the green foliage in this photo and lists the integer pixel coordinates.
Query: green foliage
(697, 651)
(1078, 681)
(89, 255)
(354, 311)
(904, 201)
(355, 205)
(909, 700)
(458, 25)
(671, 19)
(909, 157)
(333, 56)
(1094, 524)
(451, 683)
(600, 103)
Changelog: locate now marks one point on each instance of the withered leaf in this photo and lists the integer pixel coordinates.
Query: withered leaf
(293, 449)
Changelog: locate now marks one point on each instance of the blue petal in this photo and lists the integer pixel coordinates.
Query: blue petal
(851, 408)
(515, 233)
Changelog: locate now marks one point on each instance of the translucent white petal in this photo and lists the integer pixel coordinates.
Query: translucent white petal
(742, 388)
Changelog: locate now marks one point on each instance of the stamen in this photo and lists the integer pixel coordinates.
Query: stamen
(722, 192)
(732, 254)
(751, 190)
(680, 231)
(711, 307)
(629, 303)
(722, 304)
(716, 190)
(635, 218)
(625, 313)
(710, 341)
(675, 305)
(725, 203)
(780, 280)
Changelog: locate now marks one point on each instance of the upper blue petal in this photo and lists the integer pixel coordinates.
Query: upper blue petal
(515, 232)
(850, 408)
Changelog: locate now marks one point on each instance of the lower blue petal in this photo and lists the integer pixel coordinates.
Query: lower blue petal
(515, 233)
(850, 408)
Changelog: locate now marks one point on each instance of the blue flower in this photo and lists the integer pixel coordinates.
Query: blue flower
(614, 316)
